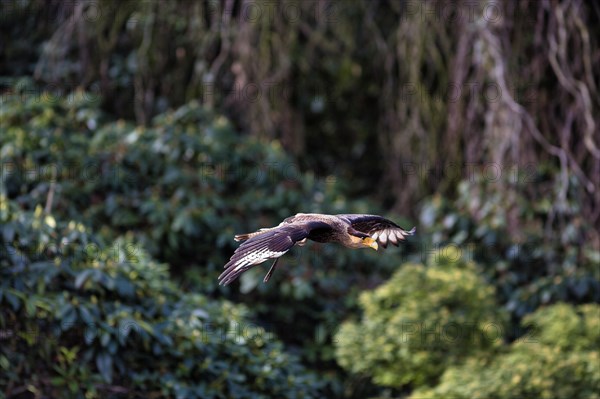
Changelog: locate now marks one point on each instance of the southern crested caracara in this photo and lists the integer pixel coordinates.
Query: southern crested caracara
(351, 230)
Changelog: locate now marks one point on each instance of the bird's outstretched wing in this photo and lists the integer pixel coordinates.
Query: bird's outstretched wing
(379, 228)
(268, 245)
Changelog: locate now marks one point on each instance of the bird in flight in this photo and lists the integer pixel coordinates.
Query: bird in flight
(350, 230)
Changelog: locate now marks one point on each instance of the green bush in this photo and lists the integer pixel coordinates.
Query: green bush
(186, 181)
(182, 187)
(566, 327)
(422, 321)
(560, 359)
(86, 318)
(548, 261)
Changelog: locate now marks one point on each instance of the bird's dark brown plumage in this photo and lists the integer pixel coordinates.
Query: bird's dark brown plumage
(350, 230)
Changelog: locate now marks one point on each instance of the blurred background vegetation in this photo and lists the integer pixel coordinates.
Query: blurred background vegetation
(137, 137)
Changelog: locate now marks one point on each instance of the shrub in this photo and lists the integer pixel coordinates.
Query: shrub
(181, 188)
(570, 328)
(84, 317)
(549, 260)
(185, 181)
(423, 320)
(552, 363)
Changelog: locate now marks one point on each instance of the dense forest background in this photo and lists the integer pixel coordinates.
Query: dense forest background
(137, 137)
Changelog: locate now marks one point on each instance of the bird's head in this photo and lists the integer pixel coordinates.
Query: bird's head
(371, 243)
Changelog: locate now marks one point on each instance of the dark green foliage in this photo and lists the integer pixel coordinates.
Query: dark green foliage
(80, 317)
(182, 188)
(185, 182)
(540, 365)
(527, 270)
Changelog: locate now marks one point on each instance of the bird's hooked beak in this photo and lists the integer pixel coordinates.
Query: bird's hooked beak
(369, 242)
